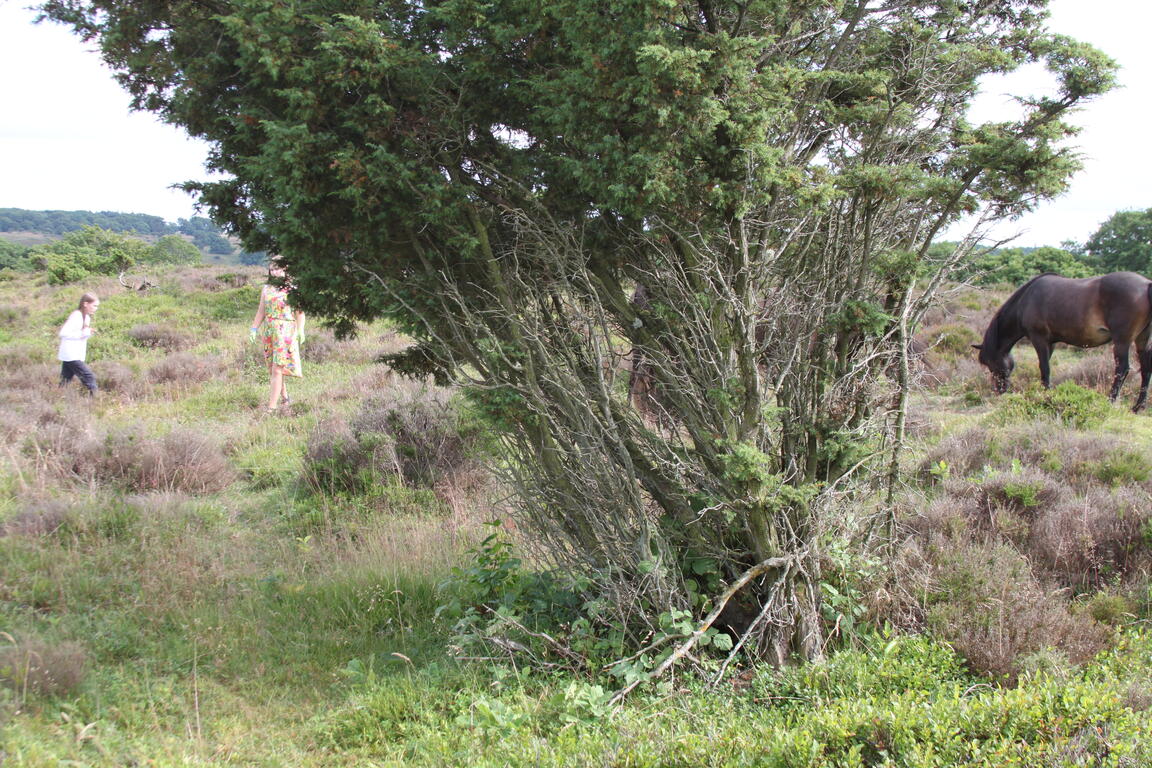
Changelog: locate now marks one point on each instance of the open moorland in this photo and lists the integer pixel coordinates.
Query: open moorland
(187, 581)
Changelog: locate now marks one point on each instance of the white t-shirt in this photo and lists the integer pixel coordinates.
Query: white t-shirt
(74, 337)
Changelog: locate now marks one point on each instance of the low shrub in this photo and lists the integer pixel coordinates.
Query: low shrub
(1108, 608)
(62, 450)
(182, 460)
(951, 338)
(25, 411)
(186, 368)
(1082, 460)
(14, 356)
(1009, 502)
(992, 609)
(1086, 541)
(339, 460)
(1092, 372)
(1122, 466)
(154, 336)
(433, 445)
(213, 283)
(1067, 403)
(116, 377)
(418, 440)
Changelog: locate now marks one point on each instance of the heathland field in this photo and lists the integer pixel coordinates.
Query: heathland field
(187, 581)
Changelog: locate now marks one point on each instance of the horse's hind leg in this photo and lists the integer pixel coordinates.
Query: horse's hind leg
(1145, 356)
(1121, 355)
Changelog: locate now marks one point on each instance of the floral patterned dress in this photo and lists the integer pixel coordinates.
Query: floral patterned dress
(278, 331)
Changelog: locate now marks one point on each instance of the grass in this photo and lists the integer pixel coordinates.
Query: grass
(257, 622)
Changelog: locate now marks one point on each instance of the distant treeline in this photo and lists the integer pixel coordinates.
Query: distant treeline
(205, 235)
(1122, 243)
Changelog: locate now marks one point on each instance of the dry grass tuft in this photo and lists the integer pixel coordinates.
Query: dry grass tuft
(154, 336)
(1086, 541)
(182, 460)
(411, 435)
(38, 518)
(36, 667)
(11, 314)
(994, 611)
(117, 378)
(186, 368)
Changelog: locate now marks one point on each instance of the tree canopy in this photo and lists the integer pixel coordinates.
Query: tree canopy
(495, 177)
(1124, 242)
(1015, 266)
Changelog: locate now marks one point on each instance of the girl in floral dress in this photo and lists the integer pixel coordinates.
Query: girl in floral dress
(280, 329)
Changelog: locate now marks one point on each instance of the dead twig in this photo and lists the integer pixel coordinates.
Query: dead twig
(709, 620)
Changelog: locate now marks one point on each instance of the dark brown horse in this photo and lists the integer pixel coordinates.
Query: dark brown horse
(1086, 312)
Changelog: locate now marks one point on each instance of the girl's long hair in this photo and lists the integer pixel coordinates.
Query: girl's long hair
(87, 298)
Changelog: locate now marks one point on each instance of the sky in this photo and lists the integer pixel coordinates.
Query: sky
(68, 140)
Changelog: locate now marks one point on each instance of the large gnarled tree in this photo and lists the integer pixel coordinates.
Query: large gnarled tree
(496, 176)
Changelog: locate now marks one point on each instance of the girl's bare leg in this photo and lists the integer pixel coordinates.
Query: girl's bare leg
(276, 377)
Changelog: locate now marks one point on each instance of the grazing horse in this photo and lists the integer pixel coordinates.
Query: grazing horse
(1086, 312)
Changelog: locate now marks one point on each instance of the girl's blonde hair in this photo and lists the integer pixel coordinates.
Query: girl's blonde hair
(87, 298)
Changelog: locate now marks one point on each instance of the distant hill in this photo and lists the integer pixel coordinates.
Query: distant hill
(36, 227)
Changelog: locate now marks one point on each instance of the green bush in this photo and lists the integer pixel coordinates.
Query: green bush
(1122, 466)
(96, 251)
(1067, 403)
(954, 338)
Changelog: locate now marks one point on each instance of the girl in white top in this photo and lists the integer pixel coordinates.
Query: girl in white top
(74, 343)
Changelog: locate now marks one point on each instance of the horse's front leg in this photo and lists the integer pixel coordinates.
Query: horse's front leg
(1121, 355)
(1043, 356)
(1145, 357)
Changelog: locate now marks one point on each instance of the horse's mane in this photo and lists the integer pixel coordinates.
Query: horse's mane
(1010, 309)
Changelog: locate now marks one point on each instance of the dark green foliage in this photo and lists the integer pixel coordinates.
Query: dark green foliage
(205, 235)
(172, 249)
(14, 256)
(86, 252)
(1124, 242)
(494, 594)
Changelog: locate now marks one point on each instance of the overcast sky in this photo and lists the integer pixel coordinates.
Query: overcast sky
(69, 142)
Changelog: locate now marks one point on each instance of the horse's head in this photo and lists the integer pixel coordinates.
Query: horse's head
(1000, 365)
